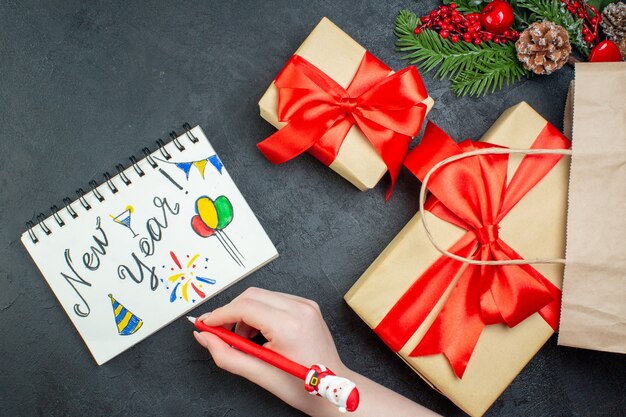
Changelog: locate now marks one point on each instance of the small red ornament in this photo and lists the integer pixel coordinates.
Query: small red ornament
(452, 25)
(584, 11)
(497, 16)
(605, 51)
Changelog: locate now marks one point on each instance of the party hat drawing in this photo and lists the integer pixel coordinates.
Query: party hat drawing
(127, 323)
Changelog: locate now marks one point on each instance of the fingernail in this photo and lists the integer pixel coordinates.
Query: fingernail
(200, 339)
(204, 316)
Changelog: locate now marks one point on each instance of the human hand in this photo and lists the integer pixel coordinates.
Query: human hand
(295, 328)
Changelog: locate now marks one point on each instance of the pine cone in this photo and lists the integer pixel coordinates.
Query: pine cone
(622, 48)
(614, 21)
(543, 47)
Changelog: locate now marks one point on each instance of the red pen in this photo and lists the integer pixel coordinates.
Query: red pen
(318, 379)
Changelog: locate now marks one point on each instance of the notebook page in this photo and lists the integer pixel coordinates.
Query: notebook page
(152, 251)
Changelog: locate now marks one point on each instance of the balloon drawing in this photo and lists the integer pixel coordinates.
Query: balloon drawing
(212, 217)
(188, 277)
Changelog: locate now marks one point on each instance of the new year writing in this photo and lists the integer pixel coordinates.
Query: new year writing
(155, 229)
(93, 257)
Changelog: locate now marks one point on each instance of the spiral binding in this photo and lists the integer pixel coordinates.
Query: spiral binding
(57, 218)
(109, 181)
(94, 189)
(133, 162)
(81, 198)
(122, 175)
(67, 202)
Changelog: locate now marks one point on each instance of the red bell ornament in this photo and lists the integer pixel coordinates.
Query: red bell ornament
(605, 51)
(497, 17)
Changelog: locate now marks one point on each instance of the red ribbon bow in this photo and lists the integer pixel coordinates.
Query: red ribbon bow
(319, 112)
(472, 193)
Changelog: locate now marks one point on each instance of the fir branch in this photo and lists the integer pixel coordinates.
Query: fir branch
(473, 69)
(468, 6)
(555, 11)
(406, 22)
(600, 4)
(487, 78)
(521, 16)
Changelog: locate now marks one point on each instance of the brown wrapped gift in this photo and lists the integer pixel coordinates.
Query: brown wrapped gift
(338, 55)
(535, 228)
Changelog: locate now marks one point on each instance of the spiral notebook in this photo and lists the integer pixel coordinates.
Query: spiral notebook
(148, 244)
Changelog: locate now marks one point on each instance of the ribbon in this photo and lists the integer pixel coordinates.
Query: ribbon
(386, 106)
(472, 193)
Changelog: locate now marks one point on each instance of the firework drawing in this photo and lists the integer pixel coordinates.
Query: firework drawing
(186, 279)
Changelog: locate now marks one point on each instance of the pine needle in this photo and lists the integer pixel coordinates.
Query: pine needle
(473, 69)
(467, 6)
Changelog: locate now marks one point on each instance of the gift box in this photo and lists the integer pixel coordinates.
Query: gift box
(469, 330)
(341, 104)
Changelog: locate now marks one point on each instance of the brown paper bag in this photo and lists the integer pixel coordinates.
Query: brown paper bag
(593, 313)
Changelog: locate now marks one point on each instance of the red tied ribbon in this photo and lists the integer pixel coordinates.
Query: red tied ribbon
(319, 112)
(472, 193)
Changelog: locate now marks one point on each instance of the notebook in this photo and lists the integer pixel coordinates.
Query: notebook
(149, 244)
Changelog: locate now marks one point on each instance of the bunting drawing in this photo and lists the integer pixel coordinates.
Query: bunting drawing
(200, 165)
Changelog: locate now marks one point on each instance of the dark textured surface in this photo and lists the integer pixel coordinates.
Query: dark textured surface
(83, 85)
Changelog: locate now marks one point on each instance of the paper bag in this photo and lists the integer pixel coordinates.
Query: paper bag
(593, 313)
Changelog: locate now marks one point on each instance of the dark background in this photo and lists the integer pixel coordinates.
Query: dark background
(83, 85)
